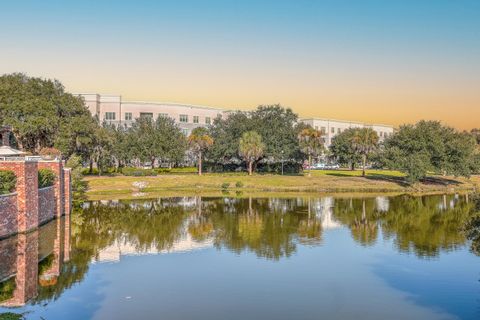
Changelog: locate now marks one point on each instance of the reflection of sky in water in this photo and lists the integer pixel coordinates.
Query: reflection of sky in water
(339, 277)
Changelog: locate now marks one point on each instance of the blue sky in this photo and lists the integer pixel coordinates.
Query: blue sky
(400, 61)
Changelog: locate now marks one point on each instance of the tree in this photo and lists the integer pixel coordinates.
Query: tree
(251, 148)
(364, 141)
(102, 150)
(476, 134)
(276, 125)
(428, 146)
(160, 139)
(41, 113)
(343, 149)
(311, 143)
(278, 128)
(199, 141)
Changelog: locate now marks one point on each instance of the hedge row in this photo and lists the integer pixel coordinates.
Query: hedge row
(8, 181)
(46, 178)
(140, 172)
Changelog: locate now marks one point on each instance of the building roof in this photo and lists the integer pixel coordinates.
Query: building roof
(176, 104)
(6, 151)
(348, 121)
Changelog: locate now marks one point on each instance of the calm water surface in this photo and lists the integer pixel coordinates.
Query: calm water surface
(231, 258)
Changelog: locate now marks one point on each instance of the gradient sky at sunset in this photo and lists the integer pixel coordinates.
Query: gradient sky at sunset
(375, 61)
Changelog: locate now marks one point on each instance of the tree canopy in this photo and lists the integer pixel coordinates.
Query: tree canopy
(43, 115)
(428, 146)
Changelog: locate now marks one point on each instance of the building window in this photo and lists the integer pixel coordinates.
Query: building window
(208, 120)
(339, 130)
(163, 115)
(195, 119)
(128, 116)
(333, 130)
(185, 132)
(324, 130)
(183, 118)
(146, 115)
(109, 115)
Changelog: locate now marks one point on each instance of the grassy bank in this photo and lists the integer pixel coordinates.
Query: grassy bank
(335, 181)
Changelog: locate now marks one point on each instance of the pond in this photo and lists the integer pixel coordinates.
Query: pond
(325, 257)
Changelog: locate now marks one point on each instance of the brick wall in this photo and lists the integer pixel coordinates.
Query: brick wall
(46, 204)
(31, 207)
(57, 167)
(8, 215)
(8, 257)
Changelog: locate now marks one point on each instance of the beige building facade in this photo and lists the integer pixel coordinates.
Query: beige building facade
(112, 110)
(330, 128)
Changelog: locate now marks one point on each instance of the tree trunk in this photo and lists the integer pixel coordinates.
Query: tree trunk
(200, 163)
(364, 163)
(250, 165)
(91, 167)
(309, 165)
(352, 166)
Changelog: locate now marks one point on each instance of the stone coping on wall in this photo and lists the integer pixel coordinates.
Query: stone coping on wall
(9, 194)
(45, 188)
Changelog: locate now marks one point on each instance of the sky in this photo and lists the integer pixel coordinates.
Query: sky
(376, 61)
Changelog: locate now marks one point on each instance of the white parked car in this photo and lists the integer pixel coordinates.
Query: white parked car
(334, 166)
(319, 166)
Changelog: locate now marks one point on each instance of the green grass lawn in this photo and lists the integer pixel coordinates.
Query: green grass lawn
(325, 181)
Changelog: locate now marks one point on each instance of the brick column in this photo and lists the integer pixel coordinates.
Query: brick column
(57, 167)
(67, 190)
(66, 243)
(27, 192)
(26, 279)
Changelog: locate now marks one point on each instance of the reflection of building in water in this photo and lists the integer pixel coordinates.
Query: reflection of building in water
(323, 209)
(122, 247)
(382, 204)
(446, 204)
(32, 259)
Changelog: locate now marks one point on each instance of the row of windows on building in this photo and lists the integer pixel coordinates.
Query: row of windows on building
(183, 118)
(323, 130)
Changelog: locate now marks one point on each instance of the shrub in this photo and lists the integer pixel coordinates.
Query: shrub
(8, 181)
(86, 171)
(239, 184)
(79, 187)
(7, 288)
(50, 152)
(138, 172)
(225, 185)
(176, 170)
(46, 178)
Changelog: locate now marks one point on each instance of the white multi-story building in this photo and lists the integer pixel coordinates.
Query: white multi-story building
(330, 128)
(111, 109)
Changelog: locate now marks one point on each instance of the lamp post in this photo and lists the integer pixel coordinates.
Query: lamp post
(282, 161)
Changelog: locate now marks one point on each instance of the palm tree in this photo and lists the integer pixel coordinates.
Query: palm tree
(364, 141)
(311, 143)
(199, 142)
(251, 148)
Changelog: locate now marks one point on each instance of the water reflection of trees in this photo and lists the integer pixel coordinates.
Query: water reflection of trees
(267, 227)
(422, 225)
(270, 228)
(144, 224)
